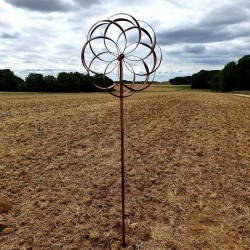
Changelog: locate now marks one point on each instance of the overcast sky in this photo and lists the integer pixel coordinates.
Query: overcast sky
(47, 36)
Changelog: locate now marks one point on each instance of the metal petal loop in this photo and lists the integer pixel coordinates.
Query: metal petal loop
(133, 42)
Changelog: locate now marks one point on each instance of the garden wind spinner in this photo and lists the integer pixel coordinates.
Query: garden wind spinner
(124, 49)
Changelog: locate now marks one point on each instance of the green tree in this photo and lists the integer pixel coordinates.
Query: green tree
(50, 83)
(102, 81)
(201, 80)
(229, 77)
(85, 83)
(215, 80)
(181, 80)
(9, 81)
(34, 82)
(68, 82)
(244, 72)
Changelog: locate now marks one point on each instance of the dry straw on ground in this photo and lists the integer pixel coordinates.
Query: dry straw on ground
(187, 164)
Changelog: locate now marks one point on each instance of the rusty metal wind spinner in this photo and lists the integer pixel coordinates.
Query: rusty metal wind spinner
(122, 47)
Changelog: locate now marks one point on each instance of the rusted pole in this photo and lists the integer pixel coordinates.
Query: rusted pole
(149, 64)
(121, 57)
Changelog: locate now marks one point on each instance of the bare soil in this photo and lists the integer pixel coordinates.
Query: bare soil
(187, 171)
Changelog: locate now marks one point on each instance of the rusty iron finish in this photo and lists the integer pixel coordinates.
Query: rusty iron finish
(125, 53)
(123, 58)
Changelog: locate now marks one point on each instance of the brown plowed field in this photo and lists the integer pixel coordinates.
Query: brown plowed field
(187, 171)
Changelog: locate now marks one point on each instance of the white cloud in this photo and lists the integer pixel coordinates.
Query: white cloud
(48, 36)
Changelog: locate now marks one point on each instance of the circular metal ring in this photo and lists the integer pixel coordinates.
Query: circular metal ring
(108, 51)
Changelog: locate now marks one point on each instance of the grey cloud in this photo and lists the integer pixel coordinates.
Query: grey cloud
(191, 35)
(213, 60)
(224, 23)
(217, 57)
(178, 3)
(231, 50)
(221, 16)
(6, 35)
(5, 25)
(44, 70)
(30, 57)
(245, 3)
(87, 3)
(194, 49)
(202, 34)
(188, 49)
(24, 72)
(42, 5)
(66, 47)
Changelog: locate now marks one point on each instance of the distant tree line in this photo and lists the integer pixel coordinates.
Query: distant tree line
(201, 80)
(234, 76)
(64, 82)
(181, 80)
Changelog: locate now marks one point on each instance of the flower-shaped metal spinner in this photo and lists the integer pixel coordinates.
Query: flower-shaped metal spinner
(123, 49)
(121, 52)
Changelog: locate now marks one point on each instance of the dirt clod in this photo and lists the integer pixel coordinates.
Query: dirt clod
(5, 205)
(7, 231)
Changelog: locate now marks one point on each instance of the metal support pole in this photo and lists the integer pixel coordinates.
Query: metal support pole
(122, 151)
(149, 67)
